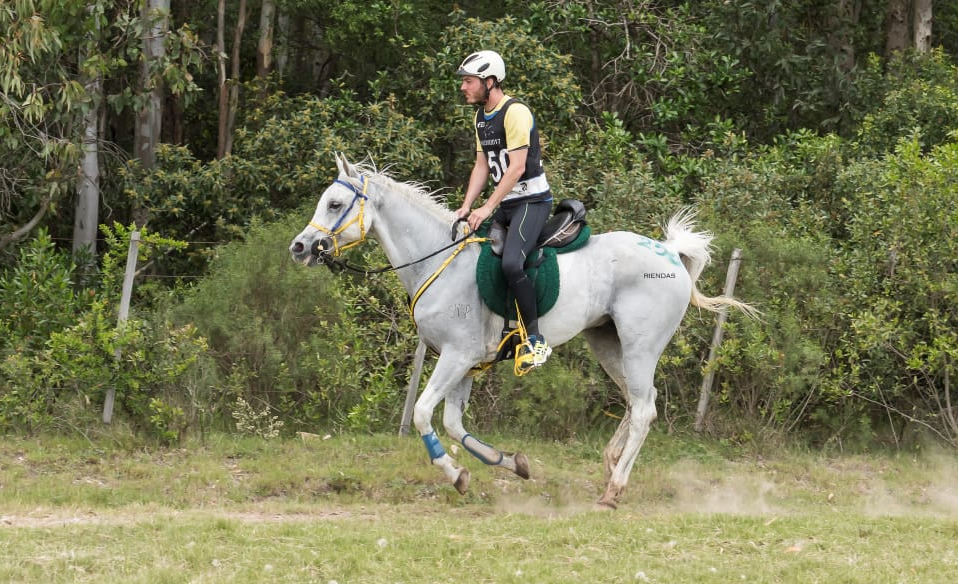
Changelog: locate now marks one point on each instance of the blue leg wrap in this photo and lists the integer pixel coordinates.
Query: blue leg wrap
(482, 451)
(433, 447)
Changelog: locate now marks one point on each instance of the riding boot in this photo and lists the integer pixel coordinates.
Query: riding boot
(525, 294)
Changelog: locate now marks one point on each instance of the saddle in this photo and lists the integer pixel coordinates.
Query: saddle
(562, 229)
(564, 232)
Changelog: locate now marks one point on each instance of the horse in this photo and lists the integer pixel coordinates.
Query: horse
(625, 293)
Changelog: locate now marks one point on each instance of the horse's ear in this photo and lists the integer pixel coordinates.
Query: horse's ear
(345, 168)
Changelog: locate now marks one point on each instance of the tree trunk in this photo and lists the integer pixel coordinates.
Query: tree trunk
(235, 76)
(86, 220)
(264, 50)
(149, 123)
(923, 21)
(897, 37)
(228, 87)
(841, 34)
(224, 100)
(155, 15)
(282, 49)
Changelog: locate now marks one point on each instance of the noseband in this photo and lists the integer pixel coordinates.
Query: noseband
(341, 223)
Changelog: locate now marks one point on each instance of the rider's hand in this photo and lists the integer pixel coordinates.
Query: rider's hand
(463, 212)
(478, 216)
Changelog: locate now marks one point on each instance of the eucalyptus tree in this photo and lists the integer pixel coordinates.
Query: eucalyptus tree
(50, 68)
(61, 62)
(909, 25)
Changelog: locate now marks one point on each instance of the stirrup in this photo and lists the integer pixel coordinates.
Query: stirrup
(530, 355)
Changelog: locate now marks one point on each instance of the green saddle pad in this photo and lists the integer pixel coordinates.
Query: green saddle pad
(492, 282)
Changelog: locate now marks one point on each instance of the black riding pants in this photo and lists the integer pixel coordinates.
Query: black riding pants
(524, 222)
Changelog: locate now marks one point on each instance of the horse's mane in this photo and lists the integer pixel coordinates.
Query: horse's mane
(415, 193)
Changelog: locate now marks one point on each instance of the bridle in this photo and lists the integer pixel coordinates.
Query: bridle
(341, 224)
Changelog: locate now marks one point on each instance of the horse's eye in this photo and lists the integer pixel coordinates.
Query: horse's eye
(335, 206)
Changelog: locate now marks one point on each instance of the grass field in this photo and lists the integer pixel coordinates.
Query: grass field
(370, 509)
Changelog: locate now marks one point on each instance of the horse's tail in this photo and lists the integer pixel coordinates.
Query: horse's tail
(695, 249)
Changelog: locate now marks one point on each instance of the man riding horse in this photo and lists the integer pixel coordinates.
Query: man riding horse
(507, 149)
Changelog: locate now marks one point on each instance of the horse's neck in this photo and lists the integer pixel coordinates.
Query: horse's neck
(409, 231)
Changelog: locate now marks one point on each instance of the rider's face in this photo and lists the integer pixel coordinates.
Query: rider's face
(472, 89)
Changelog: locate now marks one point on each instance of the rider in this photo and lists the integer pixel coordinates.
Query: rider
(507, 148)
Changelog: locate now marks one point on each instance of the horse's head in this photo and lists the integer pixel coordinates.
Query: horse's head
(341, 220)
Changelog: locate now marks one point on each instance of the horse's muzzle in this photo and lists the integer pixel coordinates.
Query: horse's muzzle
(319, 251)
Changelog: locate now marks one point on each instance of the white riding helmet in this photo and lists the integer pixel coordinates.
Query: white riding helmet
(483, 64)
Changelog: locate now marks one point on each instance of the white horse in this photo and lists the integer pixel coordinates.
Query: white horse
(626, 293)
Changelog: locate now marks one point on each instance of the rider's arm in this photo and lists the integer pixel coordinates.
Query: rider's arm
(518, 123)
(517, 165)
(477, 183)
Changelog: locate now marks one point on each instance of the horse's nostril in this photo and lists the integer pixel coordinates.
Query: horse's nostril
(298, 247)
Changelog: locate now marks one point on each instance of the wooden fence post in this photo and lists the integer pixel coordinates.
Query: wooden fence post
(706, 391)
(413, 388)
(124, 314)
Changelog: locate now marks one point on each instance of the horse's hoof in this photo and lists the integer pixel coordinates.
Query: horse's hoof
(522, 465)
(606, 505)
(462, 483)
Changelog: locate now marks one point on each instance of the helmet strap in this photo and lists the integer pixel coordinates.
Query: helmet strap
(487, 89)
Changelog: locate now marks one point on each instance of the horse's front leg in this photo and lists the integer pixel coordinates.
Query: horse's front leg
(449, 374)
(456, 404)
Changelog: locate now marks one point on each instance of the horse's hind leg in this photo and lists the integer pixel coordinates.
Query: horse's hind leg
(605, 345)
(640, 371)
(455, 407)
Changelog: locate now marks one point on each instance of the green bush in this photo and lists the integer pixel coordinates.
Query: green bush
(65, 350)
(917, 95)
(39, 295)
(317, 349)
(571, 397)
(898, 342)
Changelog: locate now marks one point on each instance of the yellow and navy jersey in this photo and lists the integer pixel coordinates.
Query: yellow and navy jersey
(509, 127)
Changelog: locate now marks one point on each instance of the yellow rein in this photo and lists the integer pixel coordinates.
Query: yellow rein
(432, 278)
(337, 250)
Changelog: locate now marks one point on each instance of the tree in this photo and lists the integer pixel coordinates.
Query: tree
(264, 49)
(923, 14)
(228, 87)
(86, 220)
(900, 35)
(39, 96)
(896, 37)
(155, 16)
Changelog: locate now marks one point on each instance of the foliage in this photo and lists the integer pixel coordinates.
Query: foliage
(50, 53)
(84, 353)
(42, 278)
(283, 157)
(646, 63)
(317, 349)
(255, 423)
(771, 207)
(917, 95)
(898, 344)
(801, 57)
